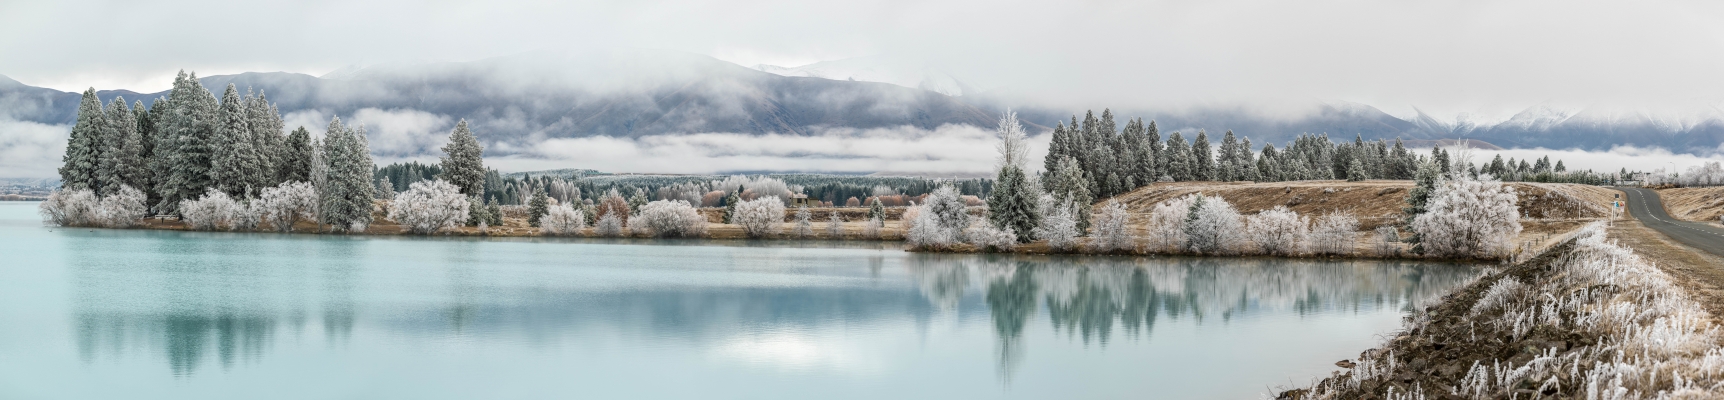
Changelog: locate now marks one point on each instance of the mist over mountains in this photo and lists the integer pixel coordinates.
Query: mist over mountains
(524, 103)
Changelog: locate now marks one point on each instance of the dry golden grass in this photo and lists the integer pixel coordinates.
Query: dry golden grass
(1694, 204)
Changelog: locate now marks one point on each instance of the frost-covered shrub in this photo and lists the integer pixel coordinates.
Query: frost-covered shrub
(1110, 232)
(1387, 241)
(246, 215)
(1166, 229)
(562, 219)
(672, 218)
(1059, 228)
(1333, 233)
(871, 229)
(1213, 227)
(988, 237)
(610, 225)
(123, 208)
(283, 205)
(430, 206)
(1277, 231)
(613, 203)
(210, 212)
(1469, 218)
(949, 211)
(926, 233)
(759, 217)
(804, 224)
(70, 208)
(834, 226)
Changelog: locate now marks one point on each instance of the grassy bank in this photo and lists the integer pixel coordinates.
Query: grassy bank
(1585, 319)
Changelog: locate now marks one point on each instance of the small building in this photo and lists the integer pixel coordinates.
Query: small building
(799, 200)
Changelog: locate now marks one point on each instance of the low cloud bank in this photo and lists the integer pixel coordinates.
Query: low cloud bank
(1615, 159)
(31, 150)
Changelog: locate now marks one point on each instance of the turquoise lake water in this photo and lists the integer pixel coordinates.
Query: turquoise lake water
(130, 314)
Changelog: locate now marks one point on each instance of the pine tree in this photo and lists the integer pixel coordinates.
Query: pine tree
(1202, 160)
(1247, 163)
(876, 210)
(1226, 166)
(1356, 171)
(538, 207)
(266, 138)
(183, 142)
(1178, 155)
(348, 190)
(1056, 148)
(119, 128)
(1149, 155)
(1425, 184)
(234, 167)
(1012, 205)
(1068, 184)
(83, 151)
(296, 157)
(463, 160)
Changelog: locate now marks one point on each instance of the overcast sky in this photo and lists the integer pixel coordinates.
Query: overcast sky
(1444, 57)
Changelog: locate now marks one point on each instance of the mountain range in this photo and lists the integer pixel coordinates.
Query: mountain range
(527, 97)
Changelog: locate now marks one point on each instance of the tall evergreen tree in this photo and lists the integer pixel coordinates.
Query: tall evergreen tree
(296, 157)
(112, 171)
(138, 145)
(1057, 148)
(346, 198)
(463, 161)
(184, 142)
(1226, 166)
(1067, 184)
(1202, 159)
(235, 167)
(1178, 155)
(266, 138)
(1155, 167)
(1247, 161)
(83, 158)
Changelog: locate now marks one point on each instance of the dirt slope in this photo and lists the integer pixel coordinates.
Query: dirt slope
(1694, 204)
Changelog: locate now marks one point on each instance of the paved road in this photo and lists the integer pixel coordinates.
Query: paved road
(1645, 205)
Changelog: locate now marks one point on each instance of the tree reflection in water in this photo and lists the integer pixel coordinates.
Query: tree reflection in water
(1089, 298)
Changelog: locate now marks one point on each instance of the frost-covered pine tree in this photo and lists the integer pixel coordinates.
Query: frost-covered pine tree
(730, 207)
(1469, 218)
(347, 195)
(1012, 204)
(1178, 162)
(760, 217)
(1356, 171)
(266, 136)
(1425, 183)
(463, 160)
(1112, 232)
(538, 206)
(876, 210)
(184, 141)
(135, 159)
(383, 189)
(804, 224)
(494, 211)
(1069, 186)
(295, 157)
(476, 212)
(236, 166)
(1277, 231)
(119, 128)
(1202, 160)
(81, 164)
(428, 207)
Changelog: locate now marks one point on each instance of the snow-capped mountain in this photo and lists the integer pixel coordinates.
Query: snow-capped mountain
(882, 68)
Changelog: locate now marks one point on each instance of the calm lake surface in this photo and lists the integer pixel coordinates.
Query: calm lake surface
(111, 314)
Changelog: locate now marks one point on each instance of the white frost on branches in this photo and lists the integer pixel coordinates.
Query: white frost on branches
(1334, 233)
(759, 217)
(988, 237)
(1058, 226)
(609, 225)
(1110, 232)
(940, 222)
(1213, 226)
(1166, 229)
(214, 210)
(562, 219)
(123, 208)
(672, 218)
(804, 223)
(70, 208)
(430, 206)
(925, 231)
(288, 203)
(834, 226)
(871, 229)
(1469, 217)
(1277, 231)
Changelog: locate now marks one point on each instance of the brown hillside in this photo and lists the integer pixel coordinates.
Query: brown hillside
(1694, 204)
(1374, 202)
